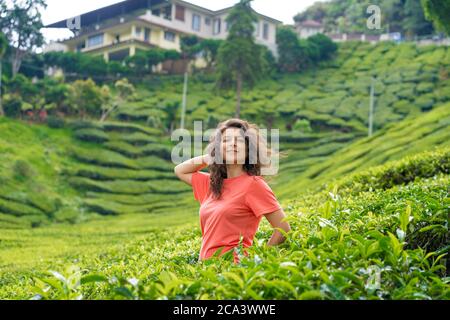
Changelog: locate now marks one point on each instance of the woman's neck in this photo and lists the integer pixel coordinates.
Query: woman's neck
(234, 170)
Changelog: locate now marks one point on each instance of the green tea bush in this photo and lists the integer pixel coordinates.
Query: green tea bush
(341, 247)
(56, 122)
(18, 209)
(425, 87)
(104, 158)
(91, 135)
(22, 170)
(425, 165)
(425, 102)
(104, 173)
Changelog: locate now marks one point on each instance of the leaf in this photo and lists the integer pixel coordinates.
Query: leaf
(311, 295)
(288, 264)
(58, 276)
(124, 292)
(405, 218)
(432, 227)
(335, 292)
(396, 245)
(93, 278)
(235, 277)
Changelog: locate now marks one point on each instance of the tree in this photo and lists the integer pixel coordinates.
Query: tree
(297, 54)
(415, 22)
(190, 48)
(171, 56)
(240, 59)
(210, 48)
(288, 50)
(327, 48)
(125, 90)
(438, 12)
(22, 95)
(138, 63)
(347, 16)
(55, 92)
(21, 24)
(171, 111)
(86, 97)
(3, 46)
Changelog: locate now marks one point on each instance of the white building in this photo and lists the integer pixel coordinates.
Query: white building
(308, 28)
(119, 30)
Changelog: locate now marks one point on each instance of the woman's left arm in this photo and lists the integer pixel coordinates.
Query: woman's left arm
(276, 220)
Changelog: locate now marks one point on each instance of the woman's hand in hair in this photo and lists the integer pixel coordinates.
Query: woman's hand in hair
(185, 170)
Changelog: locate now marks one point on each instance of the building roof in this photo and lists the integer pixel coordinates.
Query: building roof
(310, 24)
(221, 11)
(123, 7)
(110, 11)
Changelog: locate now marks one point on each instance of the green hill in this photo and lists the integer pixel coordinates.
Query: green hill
(334, 97)
(308, 168)
(123, 166)
(370, 215)
(380, 234)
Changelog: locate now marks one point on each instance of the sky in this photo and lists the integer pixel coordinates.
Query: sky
(283, 10)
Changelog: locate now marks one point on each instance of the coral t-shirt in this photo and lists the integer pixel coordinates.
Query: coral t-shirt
(245, 199)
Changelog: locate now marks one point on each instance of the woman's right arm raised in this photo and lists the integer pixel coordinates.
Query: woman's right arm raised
(185, 170)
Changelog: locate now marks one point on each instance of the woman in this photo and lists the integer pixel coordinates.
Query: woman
(233, 196)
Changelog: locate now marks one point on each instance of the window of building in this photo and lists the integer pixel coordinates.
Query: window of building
(147, 34)
(163, 12)
(257, 31)
(180, 12)
(138, 32)
(80, 46)
(266, 31)
(207, 21)
(227, 26)
(196, 19)
(167, 12)
(156, 12)
(217, 23)
(169, 36)
(95, 40)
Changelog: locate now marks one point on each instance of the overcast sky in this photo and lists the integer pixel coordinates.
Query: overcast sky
(57, 10)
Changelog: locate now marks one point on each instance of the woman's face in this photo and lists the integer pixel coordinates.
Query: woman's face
(233, 146)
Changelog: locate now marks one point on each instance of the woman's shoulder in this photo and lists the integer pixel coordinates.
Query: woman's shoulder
(202, 173)
(258, 178)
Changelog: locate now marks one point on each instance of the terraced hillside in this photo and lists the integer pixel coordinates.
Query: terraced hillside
(334, 97)
(309, 165)
(123, 166)
(126, 169)
(32, 189)
(50, 175)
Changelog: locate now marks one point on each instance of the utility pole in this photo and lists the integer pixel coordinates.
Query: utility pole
(372, 103)
(185, 89)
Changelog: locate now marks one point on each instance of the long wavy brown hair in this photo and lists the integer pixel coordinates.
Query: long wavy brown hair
(257, 154)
